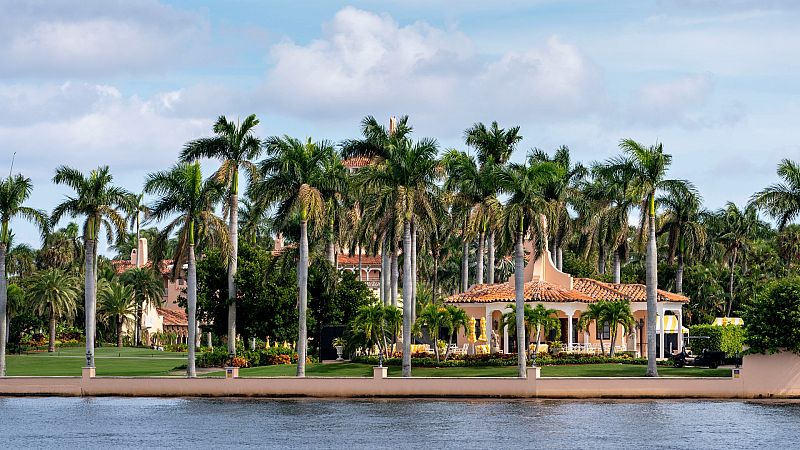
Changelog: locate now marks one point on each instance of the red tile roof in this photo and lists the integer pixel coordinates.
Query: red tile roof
(123, 265)
(598, 290)
(535, 291)
(638, 293)
(352, 260)
(173, 317)
(356, 162)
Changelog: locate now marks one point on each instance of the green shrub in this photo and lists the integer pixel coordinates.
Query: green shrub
(726, 338)
(772, 321)
(497, 360)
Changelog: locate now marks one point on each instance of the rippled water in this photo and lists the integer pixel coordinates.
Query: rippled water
(420, 424)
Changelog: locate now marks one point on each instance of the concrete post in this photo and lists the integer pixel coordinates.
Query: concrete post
(505, 339)
(680, 330)
(533, 373)
(380, 372)
(569, 330)
(231, 373)
(87, 373)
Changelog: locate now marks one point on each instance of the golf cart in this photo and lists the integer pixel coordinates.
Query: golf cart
(706, 358)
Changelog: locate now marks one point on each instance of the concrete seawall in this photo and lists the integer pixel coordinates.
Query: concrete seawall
(762, 376)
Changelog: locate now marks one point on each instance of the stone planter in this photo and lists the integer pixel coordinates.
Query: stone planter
(339, 350)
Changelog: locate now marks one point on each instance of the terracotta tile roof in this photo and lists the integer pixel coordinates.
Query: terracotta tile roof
(638, 293)
(352, 260)
(356, 162)
(173, 317)
(598, 290)
(123, 265)
(535, 291)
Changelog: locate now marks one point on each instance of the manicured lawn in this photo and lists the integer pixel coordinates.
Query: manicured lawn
(110, 361)
(589, 370)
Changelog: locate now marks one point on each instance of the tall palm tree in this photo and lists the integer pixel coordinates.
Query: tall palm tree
(182, 191)
(561, 192)
(736, 229)
(53, 292)
(100, 203)
(294, 177)
(236, 147)
(782, 200)
(618, 314)
(681, 222)
(148, 290)
(404, 176)
(595, 312)
(116, 302)
(650, 166)
(14, 191)
(525, 215)
(139, 211)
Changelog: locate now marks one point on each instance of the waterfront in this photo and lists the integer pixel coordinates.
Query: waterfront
(226, 423)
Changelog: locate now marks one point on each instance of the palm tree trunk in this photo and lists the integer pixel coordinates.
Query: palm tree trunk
(360, 271)
(89, 300)
(601, 260)
(613, 340)
(652, 285)
(3, 309)
(191, 300)
(302, 290)
(730, 282)
(600, 336)
(407, 299)
(465, 266)
(435, 273)
(490, 264)
(330, 252)
(395, 271)
(617, 267)
(384, 292)
(679, 274)
(414, 273)
(479, 275)
(519, 295)
(51, 347)
(560, 259)
(233, 230)
(536, 347)
(119, 331)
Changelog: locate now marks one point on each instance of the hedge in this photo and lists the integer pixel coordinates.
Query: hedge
(495, 360)
(247, 358)
(725, 338)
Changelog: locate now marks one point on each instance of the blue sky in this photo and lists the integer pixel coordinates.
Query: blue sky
(127, 83)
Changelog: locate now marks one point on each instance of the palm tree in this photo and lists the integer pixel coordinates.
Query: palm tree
(100, 203)
(14, 191)
(235, 146)
(782, 200)
(182, 191)
(494, 146)
(404, 177)
(618, 314)
(736, 229)
(117, 303)
(370, 320)
(294, 177)
(542, 320)
(457, 319)
(148, 290)
(595, 312)
(432, 318)
(53, 292)
(139, 211)
(650, 166)
(524, 215)
(681, 222)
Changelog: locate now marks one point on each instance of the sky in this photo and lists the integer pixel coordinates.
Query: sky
(127, 83)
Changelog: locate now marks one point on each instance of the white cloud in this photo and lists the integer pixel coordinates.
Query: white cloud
(56, 39)
(671, 101)
(367, 61)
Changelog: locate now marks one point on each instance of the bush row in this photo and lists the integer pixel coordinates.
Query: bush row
(498, 359)
(727, 338)
(247, 358)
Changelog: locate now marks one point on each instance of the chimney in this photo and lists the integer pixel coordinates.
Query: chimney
(392, 124)
(279, 242)
(133, 256)
(142, 252)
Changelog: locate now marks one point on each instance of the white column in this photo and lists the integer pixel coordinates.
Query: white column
(505, 339)
(569, 328)
(489, 329)
(663, 319)
(680, 330)
(366, 278)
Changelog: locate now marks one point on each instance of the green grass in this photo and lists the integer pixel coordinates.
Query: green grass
(588, 370)
(110, 361)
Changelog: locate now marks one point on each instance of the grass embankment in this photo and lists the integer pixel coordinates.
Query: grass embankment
(110, 361)
(588, 370)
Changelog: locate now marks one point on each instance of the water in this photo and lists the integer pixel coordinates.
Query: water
(420, 424)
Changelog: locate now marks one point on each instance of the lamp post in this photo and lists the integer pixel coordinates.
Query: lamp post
(641, 343)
